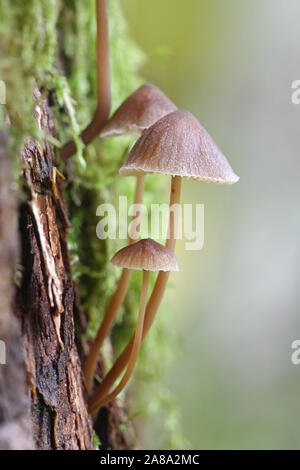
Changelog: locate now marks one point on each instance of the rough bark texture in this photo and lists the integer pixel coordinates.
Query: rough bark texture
(48, 307)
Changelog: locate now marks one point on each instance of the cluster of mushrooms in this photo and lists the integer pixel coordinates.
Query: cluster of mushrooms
(171, 142)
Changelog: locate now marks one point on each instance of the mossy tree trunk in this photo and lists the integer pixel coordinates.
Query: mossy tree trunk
(43, 402)
(48, 306)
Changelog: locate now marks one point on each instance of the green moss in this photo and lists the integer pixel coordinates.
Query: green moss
(96, 442)
(52, 44)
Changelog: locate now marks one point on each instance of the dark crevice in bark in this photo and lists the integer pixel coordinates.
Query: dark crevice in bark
(110, 420)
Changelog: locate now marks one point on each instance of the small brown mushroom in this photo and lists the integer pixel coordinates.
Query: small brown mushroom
(146, 255)
(179, 146)
(139, 111)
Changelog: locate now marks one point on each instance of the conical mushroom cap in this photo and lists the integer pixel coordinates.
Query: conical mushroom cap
(138, 112)
(146, 254)
(178, 145)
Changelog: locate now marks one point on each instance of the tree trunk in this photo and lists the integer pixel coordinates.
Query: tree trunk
(47, 323)
(48, 306)
(43, 401)
(43, 333)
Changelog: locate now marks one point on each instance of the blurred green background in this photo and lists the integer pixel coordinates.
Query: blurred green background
(236, 302)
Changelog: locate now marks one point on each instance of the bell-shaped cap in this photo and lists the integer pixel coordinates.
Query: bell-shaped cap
(178, 145)
(138, 112)
(147, 255)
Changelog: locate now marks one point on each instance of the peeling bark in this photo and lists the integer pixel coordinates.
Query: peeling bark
(48, 306)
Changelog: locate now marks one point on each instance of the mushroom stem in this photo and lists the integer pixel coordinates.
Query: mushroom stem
(113, 307)
(137, 340)
(138, 199)
(151, 310)
(174, 199)
(115, 303)
(103, 83)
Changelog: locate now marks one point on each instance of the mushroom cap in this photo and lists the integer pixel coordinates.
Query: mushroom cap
(138, 112)
(178, 145)
(146, 254)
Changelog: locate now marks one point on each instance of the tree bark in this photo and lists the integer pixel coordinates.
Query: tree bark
(48, 305)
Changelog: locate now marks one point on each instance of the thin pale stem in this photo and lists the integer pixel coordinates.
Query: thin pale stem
(151, 309)
(138, 199)
(114, 305)
(137, 341)
(103, 83)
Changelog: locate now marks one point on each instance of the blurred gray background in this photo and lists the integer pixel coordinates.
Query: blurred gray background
(236, 302)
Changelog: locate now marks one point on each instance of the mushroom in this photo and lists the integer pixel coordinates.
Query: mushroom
(139, 111)
(103, 83)
(146, 255)
(179, 146)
